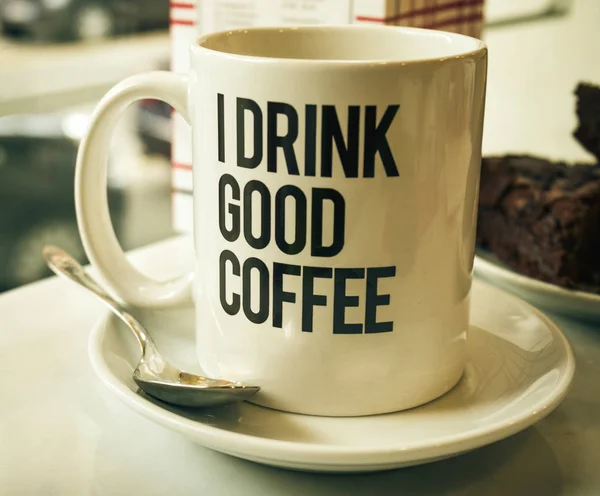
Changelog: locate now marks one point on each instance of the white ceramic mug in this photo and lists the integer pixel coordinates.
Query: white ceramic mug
(336, 174)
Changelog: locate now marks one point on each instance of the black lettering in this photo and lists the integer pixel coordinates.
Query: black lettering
(319, 195)
(263, 295)
(234, 210)
(376, 141)
(341, 301)
(234, 307)
(299, 222)
(285, 142)
(309, 298)
(331, 131)
(374, 300)
(221, 126)
(265, 215)
(243, 105)
(279, 295)
(310, 141)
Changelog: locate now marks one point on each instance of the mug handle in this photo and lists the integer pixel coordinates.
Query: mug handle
(91, 203)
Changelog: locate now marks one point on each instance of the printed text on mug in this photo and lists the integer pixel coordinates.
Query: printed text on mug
(238, 208)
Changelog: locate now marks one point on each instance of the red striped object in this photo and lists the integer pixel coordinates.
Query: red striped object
(431, 10)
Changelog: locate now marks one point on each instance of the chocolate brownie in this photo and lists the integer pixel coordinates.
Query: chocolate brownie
(542, 219)
(588, 113)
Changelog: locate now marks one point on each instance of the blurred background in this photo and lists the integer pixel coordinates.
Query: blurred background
(58, 57)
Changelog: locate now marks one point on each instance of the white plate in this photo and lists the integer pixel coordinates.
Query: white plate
(520, 367)
(578, 304)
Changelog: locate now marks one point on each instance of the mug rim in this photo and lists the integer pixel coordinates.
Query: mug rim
(479, 47)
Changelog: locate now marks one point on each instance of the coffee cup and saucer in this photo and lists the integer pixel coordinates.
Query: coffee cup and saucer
(336, 172)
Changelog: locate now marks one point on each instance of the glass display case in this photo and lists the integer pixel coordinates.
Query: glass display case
(58, 58)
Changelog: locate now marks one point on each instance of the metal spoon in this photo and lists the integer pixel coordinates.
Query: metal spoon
(153, 374)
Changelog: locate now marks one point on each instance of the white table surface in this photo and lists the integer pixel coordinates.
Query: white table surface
(62, 432)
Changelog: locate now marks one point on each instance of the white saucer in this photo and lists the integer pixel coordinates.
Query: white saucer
(520, 367)
(578, 304)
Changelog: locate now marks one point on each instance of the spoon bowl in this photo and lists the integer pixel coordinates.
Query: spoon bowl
(167, 383)
(154, 375)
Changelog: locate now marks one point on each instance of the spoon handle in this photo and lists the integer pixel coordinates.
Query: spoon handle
(62, 264)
